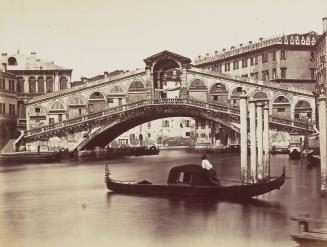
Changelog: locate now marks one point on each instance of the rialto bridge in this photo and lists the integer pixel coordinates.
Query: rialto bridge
(95, 113)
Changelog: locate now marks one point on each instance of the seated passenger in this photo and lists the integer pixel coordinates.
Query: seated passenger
(209, 173)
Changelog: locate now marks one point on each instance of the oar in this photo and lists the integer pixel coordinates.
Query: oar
(233, 181)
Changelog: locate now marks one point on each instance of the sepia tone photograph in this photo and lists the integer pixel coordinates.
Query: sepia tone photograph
(163, 123)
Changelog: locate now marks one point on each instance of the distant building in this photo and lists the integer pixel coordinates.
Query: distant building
(8, 106)
(35, 76)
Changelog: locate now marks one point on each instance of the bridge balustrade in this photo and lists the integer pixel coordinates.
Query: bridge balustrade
(173, 101)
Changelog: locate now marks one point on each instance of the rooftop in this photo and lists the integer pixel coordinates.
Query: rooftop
(20, 61)
(306, 39)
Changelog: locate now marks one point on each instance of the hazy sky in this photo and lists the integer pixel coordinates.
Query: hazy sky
(92, 36)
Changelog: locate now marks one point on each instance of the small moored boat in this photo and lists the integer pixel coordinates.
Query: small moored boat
(191, 180)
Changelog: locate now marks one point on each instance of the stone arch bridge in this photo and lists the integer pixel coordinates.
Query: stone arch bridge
(95, 113)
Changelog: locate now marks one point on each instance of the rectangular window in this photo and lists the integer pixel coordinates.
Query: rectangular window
(149, 125)
(203, 135)
(265, 75)
(110, 100)
(256, 60)
(51, 120)
(149, 135)
(274, 74)
(244, 62)
(0, 108)
(280, 109)
(60, 117)
(227, 66)
(312, 74)
(187, 133)
(187, 123)
(235, 64)
(80, 112)
(283, 73)
(312, 56)
(215, 97)
(282, 55)
(3, 108)
(120, 101)
(166, 123)
(274, 55)
(264, 57)
(245, 75)
(252, 61)
(203, 124)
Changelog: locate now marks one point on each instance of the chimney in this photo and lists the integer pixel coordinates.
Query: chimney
(232, 47)
(241, 45)
(250, 42)
(324, 24)
(224, 50)
(4, 54)
(4, 67)
(83, 79)
(207, 54)
(260, 39)
(106, 74)
(216, 52)
(33, 54)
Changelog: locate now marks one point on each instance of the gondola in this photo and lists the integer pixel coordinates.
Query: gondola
(30, 157)
(190, 180)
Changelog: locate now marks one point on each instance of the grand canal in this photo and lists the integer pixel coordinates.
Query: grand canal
(67, 204)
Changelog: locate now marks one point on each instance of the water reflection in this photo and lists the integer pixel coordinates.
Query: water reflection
(68, 205)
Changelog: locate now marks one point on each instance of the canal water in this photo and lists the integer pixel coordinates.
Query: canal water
(67, 204)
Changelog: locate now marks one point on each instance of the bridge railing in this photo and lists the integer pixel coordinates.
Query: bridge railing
(174, 101)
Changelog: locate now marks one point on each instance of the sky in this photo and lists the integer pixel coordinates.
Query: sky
(93, 36)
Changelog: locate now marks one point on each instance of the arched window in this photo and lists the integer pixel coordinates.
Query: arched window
(116, 90)
(32, 84)
(40, 84)
(20, 85)
(218, 88)
(49, 84)
(303, 111)
(57, 106)
(136, 86)
(62, 83)
(76, 101)
(97, 96)
(260, 95)
(12, 61)
(197, 84)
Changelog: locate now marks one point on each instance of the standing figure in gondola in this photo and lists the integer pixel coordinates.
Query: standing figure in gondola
(210, 174)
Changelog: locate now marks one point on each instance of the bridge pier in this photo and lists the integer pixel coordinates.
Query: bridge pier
(244, 138)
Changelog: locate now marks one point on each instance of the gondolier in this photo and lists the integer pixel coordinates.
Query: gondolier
(209, 172)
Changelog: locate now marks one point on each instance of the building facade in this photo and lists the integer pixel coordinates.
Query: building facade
(35, 76)
(8, 107)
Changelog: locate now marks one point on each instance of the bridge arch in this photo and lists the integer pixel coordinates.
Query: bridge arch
(76, 106)
(96, 101)
(136, 91)
(198, 89)
(234, 96)
(303, 110)
(218, 93)
(132, 118)
(281, 106)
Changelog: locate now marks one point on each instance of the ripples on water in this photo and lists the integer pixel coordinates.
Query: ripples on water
(67, 204)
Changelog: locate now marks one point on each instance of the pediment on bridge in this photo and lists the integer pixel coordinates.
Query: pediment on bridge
(164, 55)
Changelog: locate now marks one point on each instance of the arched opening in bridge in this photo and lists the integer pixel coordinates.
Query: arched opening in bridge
(136, 92)
(178, 132)
(166, 79)
(281, 107)
(303, 111)
(116, 96)
(235, 97)
(76, 107)
(57, 112)
(218, 93)
(198, 90)
(96, 102)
